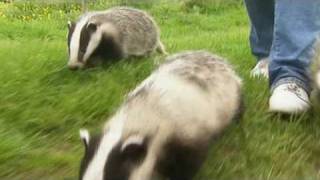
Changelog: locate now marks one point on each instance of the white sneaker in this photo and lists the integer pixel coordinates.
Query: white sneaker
(289, 98)
(261, 69)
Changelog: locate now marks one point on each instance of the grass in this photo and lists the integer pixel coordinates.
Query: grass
(43, 104)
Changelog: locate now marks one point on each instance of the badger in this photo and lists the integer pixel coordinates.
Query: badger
(116, 33)
(165, 125)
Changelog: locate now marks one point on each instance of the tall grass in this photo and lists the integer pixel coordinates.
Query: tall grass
(43, 104)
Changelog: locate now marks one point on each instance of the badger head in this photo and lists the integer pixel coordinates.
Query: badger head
(89, 38)
(110, 157)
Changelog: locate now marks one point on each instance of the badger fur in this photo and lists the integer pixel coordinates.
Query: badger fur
(164, 127)
(116, 33)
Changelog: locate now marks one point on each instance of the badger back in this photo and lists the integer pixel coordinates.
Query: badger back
(164, 127)
(139, 31)
(113, 34)
(215, 88)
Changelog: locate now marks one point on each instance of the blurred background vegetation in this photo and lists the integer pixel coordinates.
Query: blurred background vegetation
(39, 9)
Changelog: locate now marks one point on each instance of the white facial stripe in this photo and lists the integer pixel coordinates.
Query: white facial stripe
(132, 140)
(93, 44)
(75, 40)
(108, 141)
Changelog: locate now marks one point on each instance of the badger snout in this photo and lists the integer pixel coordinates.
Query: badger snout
(75, 65)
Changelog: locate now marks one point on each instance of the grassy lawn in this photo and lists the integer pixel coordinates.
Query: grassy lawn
(43, 104)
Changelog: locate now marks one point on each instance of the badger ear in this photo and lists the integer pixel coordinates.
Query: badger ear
(85, 137)
(70, 25)
(133, 145)
(92, 27)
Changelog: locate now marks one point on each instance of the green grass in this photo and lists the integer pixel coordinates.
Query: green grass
(43, 104)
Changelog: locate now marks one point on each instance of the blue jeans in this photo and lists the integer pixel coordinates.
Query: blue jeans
(284, 31)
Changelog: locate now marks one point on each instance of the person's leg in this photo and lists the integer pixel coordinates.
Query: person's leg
(297, 24)
(261, 14)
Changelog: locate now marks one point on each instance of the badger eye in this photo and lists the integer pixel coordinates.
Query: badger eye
(82, 51)
(134, 153)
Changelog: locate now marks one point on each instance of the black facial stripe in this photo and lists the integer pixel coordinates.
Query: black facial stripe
(108, 49)
(180, 162)
(120, 165)
(116, 167)
(90, 151)
(84, 41)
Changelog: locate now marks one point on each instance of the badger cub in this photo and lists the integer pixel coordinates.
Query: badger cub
(164, 127)
(116, 33)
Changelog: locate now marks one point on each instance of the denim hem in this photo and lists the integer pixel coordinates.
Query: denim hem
(297, 81)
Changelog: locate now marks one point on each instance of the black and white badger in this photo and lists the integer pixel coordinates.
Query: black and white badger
(164, 127)
(116, 33)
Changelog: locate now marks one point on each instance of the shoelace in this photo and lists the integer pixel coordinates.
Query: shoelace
(296, 90)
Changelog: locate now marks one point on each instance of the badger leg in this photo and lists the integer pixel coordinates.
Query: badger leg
(161, 48)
